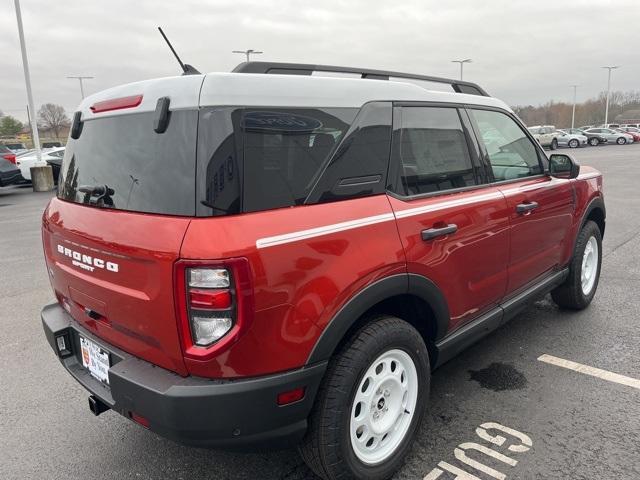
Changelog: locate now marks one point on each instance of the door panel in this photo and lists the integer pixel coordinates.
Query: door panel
(470, 265)
(454, 230)
(538, 235)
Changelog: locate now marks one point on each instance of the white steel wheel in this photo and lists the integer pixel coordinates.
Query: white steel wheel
(589, 270)
(383, 407)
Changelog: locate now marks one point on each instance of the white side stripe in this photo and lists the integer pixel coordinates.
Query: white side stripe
(325, 230)
(361, 222)
(587, 370)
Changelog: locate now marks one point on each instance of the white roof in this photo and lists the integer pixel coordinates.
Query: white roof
(253, 89)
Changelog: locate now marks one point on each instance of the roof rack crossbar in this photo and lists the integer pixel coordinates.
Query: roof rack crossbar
(458, 86)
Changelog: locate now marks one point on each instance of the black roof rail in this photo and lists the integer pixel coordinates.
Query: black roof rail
(458, 86)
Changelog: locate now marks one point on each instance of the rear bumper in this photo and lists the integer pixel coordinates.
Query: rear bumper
(236, 414)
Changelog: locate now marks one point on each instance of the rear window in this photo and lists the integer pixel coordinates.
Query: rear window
(255, 159)
(144, 171)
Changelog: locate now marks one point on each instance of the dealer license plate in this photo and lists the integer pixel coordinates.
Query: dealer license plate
(95, 359)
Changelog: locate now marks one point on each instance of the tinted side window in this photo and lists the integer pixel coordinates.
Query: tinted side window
(285, 150)
(359, 165)
(511, 153)
(432, 151)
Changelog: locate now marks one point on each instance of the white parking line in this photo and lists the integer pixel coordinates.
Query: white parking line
(587, 370)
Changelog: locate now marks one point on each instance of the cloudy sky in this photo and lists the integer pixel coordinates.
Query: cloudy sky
(523, 51)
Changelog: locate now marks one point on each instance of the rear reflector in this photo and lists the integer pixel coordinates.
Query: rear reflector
(117, 104)
(139, 419)
(285, 398)
(210, 299)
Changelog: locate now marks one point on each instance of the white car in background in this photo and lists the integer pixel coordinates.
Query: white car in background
(546, 135)
(571, 140)
(25, 162)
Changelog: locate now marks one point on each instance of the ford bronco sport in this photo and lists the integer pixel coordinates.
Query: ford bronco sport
(269, 257)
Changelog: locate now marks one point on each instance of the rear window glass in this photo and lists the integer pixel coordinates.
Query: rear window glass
(143, 171)
(262, 158)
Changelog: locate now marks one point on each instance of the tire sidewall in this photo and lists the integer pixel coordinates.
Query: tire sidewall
(420, 358)
(621, 141)
(589, 230)
(573, 143)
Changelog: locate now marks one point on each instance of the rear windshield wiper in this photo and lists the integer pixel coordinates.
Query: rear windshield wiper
(97, 194)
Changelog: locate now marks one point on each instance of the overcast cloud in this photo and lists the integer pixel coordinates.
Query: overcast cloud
(524, 52)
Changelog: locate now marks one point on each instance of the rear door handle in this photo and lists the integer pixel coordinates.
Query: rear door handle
(526, 207)
(431, 233)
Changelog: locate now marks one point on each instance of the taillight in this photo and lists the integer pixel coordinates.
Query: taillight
(214, 303)
(10, 156)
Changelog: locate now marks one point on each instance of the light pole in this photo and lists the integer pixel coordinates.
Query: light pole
(461, 62)
(27, 81)
(80, 78)
(573, 113)
(248, 53)
(606, 108)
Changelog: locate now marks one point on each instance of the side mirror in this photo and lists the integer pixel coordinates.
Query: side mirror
(563, 166)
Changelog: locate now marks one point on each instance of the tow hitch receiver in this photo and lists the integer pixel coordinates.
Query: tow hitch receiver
(97, 406)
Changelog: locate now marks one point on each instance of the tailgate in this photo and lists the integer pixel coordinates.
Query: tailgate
(115, 268)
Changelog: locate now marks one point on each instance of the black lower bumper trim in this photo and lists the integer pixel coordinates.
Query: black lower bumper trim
(236, 414)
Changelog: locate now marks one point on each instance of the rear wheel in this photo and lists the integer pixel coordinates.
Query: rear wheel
(573, 143)
(554, 144)
(593, 141)
(621, 141)
(584, 271)
(370, 404)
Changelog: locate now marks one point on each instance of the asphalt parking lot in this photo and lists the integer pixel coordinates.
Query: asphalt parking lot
(580, 426)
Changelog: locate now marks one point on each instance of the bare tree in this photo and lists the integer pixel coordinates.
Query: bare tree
(53, 117)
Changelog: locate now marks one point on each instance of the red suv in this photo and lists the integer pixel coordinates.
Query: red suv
(269, 257)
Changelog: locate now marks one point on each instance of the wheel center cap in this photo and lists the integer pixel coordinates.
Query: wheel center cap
(381, 404)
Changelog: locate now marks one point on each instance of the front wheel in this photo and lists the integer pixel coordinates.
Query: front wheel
(621, 141)
(573, 143)
(593, 141)
(554, 144)
(370, 404)
(580, 286)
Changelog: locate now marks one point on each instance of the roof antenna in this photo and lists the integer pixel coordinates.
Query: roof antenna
(186, 68)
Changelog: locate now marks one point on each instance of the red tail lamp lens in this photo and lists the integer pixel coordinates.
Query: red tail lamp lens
(117, 104)
(210, 299)
(10, 156)
(285, 398)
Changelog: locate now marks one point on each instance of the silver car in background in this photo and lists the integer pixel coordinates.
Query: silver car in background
(571, 140)
(612, 136)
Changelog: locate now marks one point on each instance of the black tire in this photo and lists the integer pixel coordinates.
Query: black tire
(554, 144)
(326, 447)
(594, 142)
(570, 294)
(621, 141)
(573, 143)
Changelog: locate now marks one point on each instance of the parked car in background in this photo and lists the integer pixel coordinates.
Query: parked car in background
(7, 154)
(609, 125)
(612, 136)
(16, 148)
(546, 135)
(27, 161)
(51, 144)
(571, 140)
(634, 132)
(593, 139)
(630, 125)
(9, 173)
